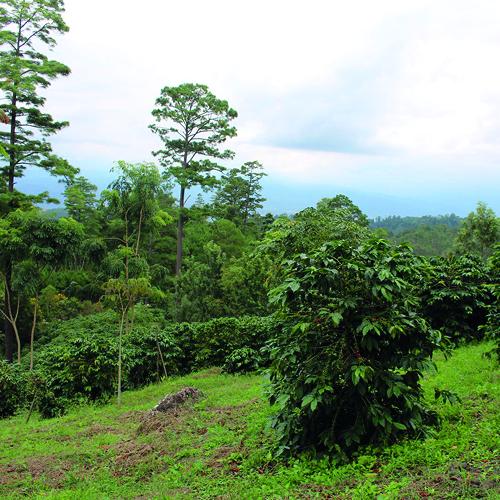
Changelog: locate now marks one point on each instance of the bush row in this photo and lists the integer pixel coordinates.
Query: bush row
(77, 360)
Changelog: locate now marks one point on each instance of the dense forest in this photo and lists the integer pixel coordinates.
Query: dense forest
(174, 268)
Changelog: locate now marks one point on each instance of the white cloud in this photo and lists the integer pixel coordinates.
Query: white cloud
(381, 94)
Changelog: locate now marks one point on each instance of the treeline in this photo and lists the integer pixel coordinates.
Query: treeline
(397, 224)
(428, 235)
(439, 235)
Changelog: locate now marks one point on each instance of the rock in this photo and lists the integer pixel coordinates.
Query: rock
(172, 401)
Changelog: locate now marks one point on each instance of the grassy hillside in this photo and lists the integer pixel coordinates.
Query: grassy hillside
(218, 448)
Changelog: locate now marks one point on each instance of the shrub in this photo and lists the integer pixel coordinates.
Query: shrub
(213, 341)
(12, 389)
(454, 296)
(42, 397)
(347, 364)
(81, 368)
(242, 360)
(80, 361)
(491, 329)
(149, 353)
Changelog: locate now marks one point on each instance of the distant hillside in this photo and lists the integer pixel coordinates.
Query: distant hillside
(396, 224)
(56, 212)
(428, 235)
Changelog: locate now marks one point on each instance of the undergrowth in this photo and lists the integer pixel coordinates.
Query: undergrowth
(220, 447)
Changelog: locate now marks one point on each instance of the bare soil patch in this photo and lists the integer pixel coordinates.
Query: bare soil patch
(12, 473)
(129, 454)
(157, 422)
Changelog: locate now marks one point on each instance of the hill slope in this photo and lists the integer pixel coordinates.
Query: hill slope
(218, 447)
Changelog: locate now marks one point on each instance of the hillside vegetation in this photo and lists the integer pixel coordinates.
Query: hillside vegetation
(305, 343)
(220, 446)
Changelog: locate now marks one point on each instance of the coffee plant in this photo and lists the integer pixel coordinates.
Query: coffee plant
(347, 363)
(455, 299)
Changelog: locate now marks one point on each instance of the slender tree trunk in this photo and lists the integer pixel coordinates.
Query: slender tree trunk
(161, 357)
(33, 327)
(10, 333)
(138, 242)
(180, 233)
(10, 338)
(119, 390)
(11, 320)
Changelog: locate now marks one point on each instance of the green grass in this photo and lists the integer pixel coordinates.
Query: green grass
(219, 447)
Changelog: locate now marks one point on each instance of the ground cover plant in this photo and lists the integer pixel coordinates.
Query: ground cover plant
(219, 447)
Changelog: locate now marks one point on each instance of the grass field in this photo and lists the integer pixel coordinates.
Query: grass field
(219, 447)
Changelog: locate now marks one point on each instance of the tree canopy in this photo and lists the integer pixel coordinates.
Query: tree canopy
(192, 124)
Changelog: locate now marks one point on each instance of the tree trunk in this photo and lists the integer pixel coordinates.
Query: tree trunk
(119, 390)
(10, 334)
(32, 337)
(10, 338)
(180, 233)
(18, 341)
(138, 242)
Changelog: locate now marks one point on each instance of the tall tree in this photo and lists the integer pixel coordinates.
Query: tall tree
(240, 194)
(25, 27)
(192, 124)
(3, 119)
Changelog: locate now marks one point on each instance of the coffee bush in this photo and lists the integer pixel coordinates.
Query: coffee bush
(347, 364)
(454, 297)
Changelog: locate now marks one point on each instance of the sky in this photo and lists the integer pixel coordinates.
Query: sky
(394, 103)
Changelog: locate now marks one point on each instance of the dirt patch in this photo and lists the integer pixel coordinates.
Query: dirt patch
(52, 470)
(62, 438)
(157, 422)
(131, 455)
(96, 429)
(11, 473)
(220, 459)
(169, 413)
(149, 422)
(49, 468)
(131, 416)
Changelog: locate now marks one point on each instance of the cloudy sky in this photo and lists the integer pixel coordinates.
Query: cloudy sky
(394, 103)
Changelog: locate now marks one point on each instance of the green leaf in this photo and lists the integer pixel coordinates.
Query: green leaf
(336, 318)
(307, 400)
